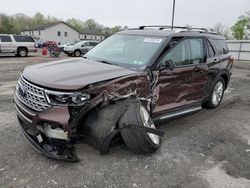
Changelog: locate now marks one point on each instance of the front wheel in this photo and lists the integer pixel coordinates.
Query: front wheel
(216, 95)
(77, 53)
(139, 141)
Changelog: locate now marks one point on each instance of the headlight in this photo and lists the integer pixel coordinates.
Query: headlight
(66, 98)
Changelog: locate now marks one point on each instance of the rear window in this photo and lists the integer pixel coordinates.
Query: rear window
(222, 46)
(23, 38)
(5, 38)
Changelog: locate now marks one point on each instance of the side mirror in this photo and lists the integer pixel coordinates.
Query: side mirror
(168, 64)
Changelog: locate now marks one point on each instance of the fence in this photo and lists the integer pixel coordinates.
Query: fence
(240, 49)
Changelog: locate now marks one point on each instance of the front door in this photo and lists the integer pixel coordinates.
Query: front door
(184, 84)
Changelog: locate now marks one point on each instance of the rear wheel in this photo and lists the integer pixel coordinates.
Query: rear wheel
(216, 95)
(22, 52)
(139, 141)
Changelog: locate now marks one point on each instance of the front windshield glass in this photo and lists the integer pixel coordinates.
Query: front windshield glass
(131, 51)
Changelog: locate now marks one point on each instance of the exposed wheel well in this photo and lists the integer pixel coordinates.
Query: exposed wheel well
(226, 79)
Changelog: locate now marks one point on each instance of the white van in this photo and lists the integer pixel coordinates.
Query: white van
(16, 44)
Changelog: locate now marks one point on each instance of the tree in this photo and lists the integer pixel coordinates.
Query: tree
(221, 30)
(39, 18)
(78, 24)
(241, 28)
(90, 25)
(14, 24)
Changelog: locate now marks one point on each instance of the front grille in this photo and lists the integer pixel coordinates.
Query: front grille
(30, 95)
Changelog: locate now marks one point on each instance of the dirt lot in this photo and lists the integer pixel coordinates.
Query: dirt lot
(208, 149)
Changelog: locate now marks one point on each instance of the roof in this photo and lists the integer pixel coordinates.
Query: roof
(169, 33)
(47, 25)
(91, 33)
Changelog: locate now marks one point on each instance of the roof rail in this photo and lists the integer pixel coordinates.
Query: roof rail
(184, 28)
(161, 27)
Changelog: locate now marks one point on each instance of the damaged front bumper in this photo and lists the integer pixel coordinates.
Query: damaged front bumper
(47, 132)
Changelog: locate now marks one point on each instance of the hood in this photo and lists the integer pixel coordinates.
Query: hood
(72, 74)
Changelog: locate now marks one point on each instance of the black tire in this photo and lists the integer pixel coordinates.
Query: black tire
(209, 103)
(22, 52)
(77, 53)
(137, 141)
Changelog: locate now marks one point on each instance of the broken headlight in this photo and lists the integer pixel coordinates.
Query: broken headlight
(66, 98)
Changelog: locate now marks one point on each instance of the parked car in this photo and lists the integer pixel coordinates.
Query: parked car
(79, 48)
(50, 44)
(67, 44)
(16, 44)
(123, 86)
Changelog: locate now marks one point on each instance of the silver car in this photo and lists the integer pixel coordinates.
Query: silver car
(79, 48)
(16, 44)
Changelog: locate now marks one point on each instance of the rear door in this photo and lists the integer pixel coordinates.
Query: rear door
(6, 44)
(184, 85)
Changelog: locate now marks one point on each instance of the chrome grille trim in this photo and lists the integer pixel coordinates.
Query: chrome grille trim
(34, 96)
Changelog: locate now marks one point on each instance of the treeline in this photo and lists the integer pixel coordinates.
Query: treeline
(240, 30)
(14, 24)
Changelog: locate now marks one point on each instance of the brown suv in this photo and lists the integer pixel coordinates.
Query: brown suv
(122, 87)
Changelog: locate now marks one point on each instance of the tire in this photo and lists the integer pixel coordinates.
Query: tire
(138, 141)
(213, 100)
(77, 53)
(22, 52)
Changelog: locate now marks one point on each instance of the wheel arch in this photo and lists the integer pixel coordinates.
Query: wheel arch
(20, 47)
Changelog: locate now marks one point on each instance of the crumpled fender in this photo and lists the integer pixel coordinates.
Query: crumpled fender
(100, 126)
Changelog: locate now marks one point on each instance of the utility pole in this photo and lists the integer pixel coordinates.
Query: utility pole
(172, 26)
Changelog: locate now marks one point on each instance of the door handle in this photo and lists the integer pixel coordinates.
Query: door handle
(216, 60)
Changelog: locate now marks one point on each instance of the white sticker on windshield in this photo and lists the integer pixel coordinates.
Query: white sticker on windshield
(152, 40)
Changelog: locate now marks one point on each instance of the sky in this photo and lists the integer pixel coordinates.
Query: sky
(133, 13)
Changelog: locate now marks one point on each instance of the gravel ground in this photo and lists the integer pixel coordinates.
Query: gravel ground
(208, 149)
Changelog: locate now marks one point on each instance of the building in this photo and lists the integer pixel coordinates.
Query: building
(60, 32)
(91, 36)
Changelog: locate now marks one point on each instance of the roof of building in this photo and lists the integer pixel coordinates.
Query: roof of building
(47, 25)
(91, 33)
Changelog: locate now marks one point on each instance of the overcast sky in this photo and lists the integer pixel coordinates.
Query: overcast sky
(197, 13)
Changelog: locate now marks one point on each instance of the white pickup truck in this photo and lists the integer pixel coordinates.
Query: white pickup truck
(16, 44)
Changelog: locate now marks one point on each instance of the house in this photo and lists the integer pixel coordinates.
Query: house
(60, 32)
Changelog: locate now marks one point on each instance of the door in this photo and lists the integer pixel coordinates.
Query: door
(6, 44)
(85, 47)
(184, 84)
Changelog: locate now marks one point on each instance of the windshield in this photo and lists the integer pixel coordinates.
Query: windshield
(130, 51)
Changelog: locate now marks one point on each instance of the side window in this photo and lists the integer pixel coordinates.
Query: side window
(5, 38)
(196, 48)
(93, 43)
(221, 45)
(58, 33)
(19, 38)
(189, 51)
(210, 50)
(85, 44)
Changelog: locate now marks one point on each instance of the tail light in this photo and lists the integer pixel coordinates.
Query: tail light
(231, 59)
